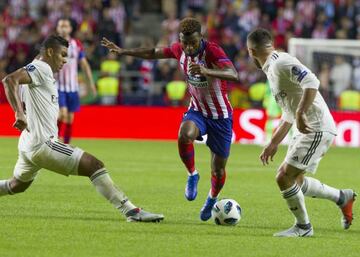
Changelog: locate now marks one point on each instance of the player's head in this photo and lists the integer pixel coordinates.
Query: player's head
(64, 27)
(54, 51)
(259, 43)
(190, 35)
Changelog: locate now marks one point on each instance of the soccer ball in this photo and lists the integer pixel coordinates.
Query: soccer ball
(226, 212)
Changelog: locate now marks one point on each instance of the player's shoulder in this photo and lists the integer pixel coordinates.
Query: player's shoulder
(212, 46)
(76, 42)
(38, 65)
(283, 60)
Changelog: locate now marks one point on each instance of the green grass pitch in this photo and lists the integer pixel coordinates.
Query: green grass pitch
(60, 216)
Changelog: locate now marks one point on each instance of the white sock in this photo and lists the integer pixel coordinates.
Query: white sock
(5, 188)
(193, 173)
(105, 186)
(314, 188)
(296, 201)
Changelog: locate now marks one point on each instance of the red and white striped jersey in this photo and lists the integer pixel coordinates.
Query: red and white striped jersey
(67, 77)
(208, 95)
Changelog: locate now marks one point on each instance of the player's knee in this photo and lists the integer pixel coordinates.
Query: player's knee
(17, 186)
(218, 172)
(281, 176)
(98, 164)
(186, 136)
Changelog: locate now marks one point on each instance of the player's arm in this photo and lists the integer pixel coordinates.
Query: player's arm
(226, 72)
(85, 67)
(305, 102)
(144, 53)
(12, 84)
(280, 133)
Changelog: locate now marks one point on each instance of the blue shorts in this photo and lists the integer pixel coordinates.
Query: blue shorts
(70, 100)
(219, 132)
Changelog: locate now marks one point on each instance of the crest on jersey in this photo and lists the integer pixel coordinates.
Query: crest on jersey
(30, 67)
(295, 70)
(300, 74)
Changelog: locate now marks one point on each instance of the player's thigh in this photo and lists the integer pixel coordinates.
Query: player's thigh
(58, 157)
(219, 137)
(192, 126)
(25, 170)
(307, 151)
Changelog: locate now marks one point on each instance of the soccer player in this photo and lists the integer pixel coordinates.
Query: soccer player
(295, 89)
(206, 68)
(38, 144)
(67, 79)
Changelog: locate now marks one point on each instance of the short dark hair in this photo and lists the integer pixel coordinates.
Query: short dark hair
(54, 41)
(64, 18)
(260, 37)
(189, 26)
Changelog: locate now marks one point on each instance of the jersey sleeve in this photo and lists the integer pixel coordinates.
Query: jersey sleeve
(218, 57)
(34, 72)
(297, 73)
(174, 51)
(80, 49)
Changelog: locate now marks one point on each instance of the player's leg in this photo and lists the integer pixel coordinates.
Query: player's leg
(219, 142)
(312, 187)
(286, 179)
(218, 177)
(67, 160)
(191, 128)
(63, 111)
(24, 174)
(73, 105)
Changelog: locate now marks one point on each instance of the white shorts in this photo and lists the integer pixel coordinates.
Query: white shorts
(52, 155)
(306, 150)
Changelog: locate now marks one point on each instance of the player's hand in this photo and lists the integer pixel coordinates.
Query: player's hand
(197, 69)
(20, 122)
(111, 46)
(301, 123)
(268, 152)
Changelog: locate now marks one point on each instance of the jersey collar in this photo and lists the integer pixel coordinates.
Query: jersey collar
(268, 59)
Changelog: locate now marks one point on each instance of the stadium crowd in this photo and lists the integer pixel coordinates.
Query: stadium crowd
(24, 23)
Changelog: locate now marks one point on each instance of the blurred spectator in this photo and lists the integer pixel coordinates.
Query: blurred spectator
(176, 89)
(340, 76)
(24, 23)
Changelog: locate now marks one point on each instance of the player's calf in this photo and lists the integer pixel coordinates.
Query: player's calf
(13, 186)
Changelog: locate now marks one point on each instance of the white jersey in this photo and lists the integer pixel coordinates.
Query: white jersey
(41, 106)
(288, 78)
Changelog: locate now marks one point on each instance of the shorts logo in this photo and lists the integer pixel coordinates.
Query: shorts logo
(30, 67)
(295, 158)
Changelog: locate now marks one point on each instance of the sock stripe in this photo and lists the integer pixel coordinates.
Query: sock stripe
(292, 192)
(98, 174)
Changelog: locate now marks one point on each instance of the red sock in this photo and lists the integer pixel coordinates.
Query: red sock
(67, 133)
(217, 184)
(187, 155)
(60, 125)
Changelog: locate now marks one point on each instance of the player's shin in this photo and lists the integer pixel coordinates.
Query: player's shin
(5, 188)
(295, 200)
(67, 133)
(217, 183)
(187, 155)
(106, 187)
(314, 188)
